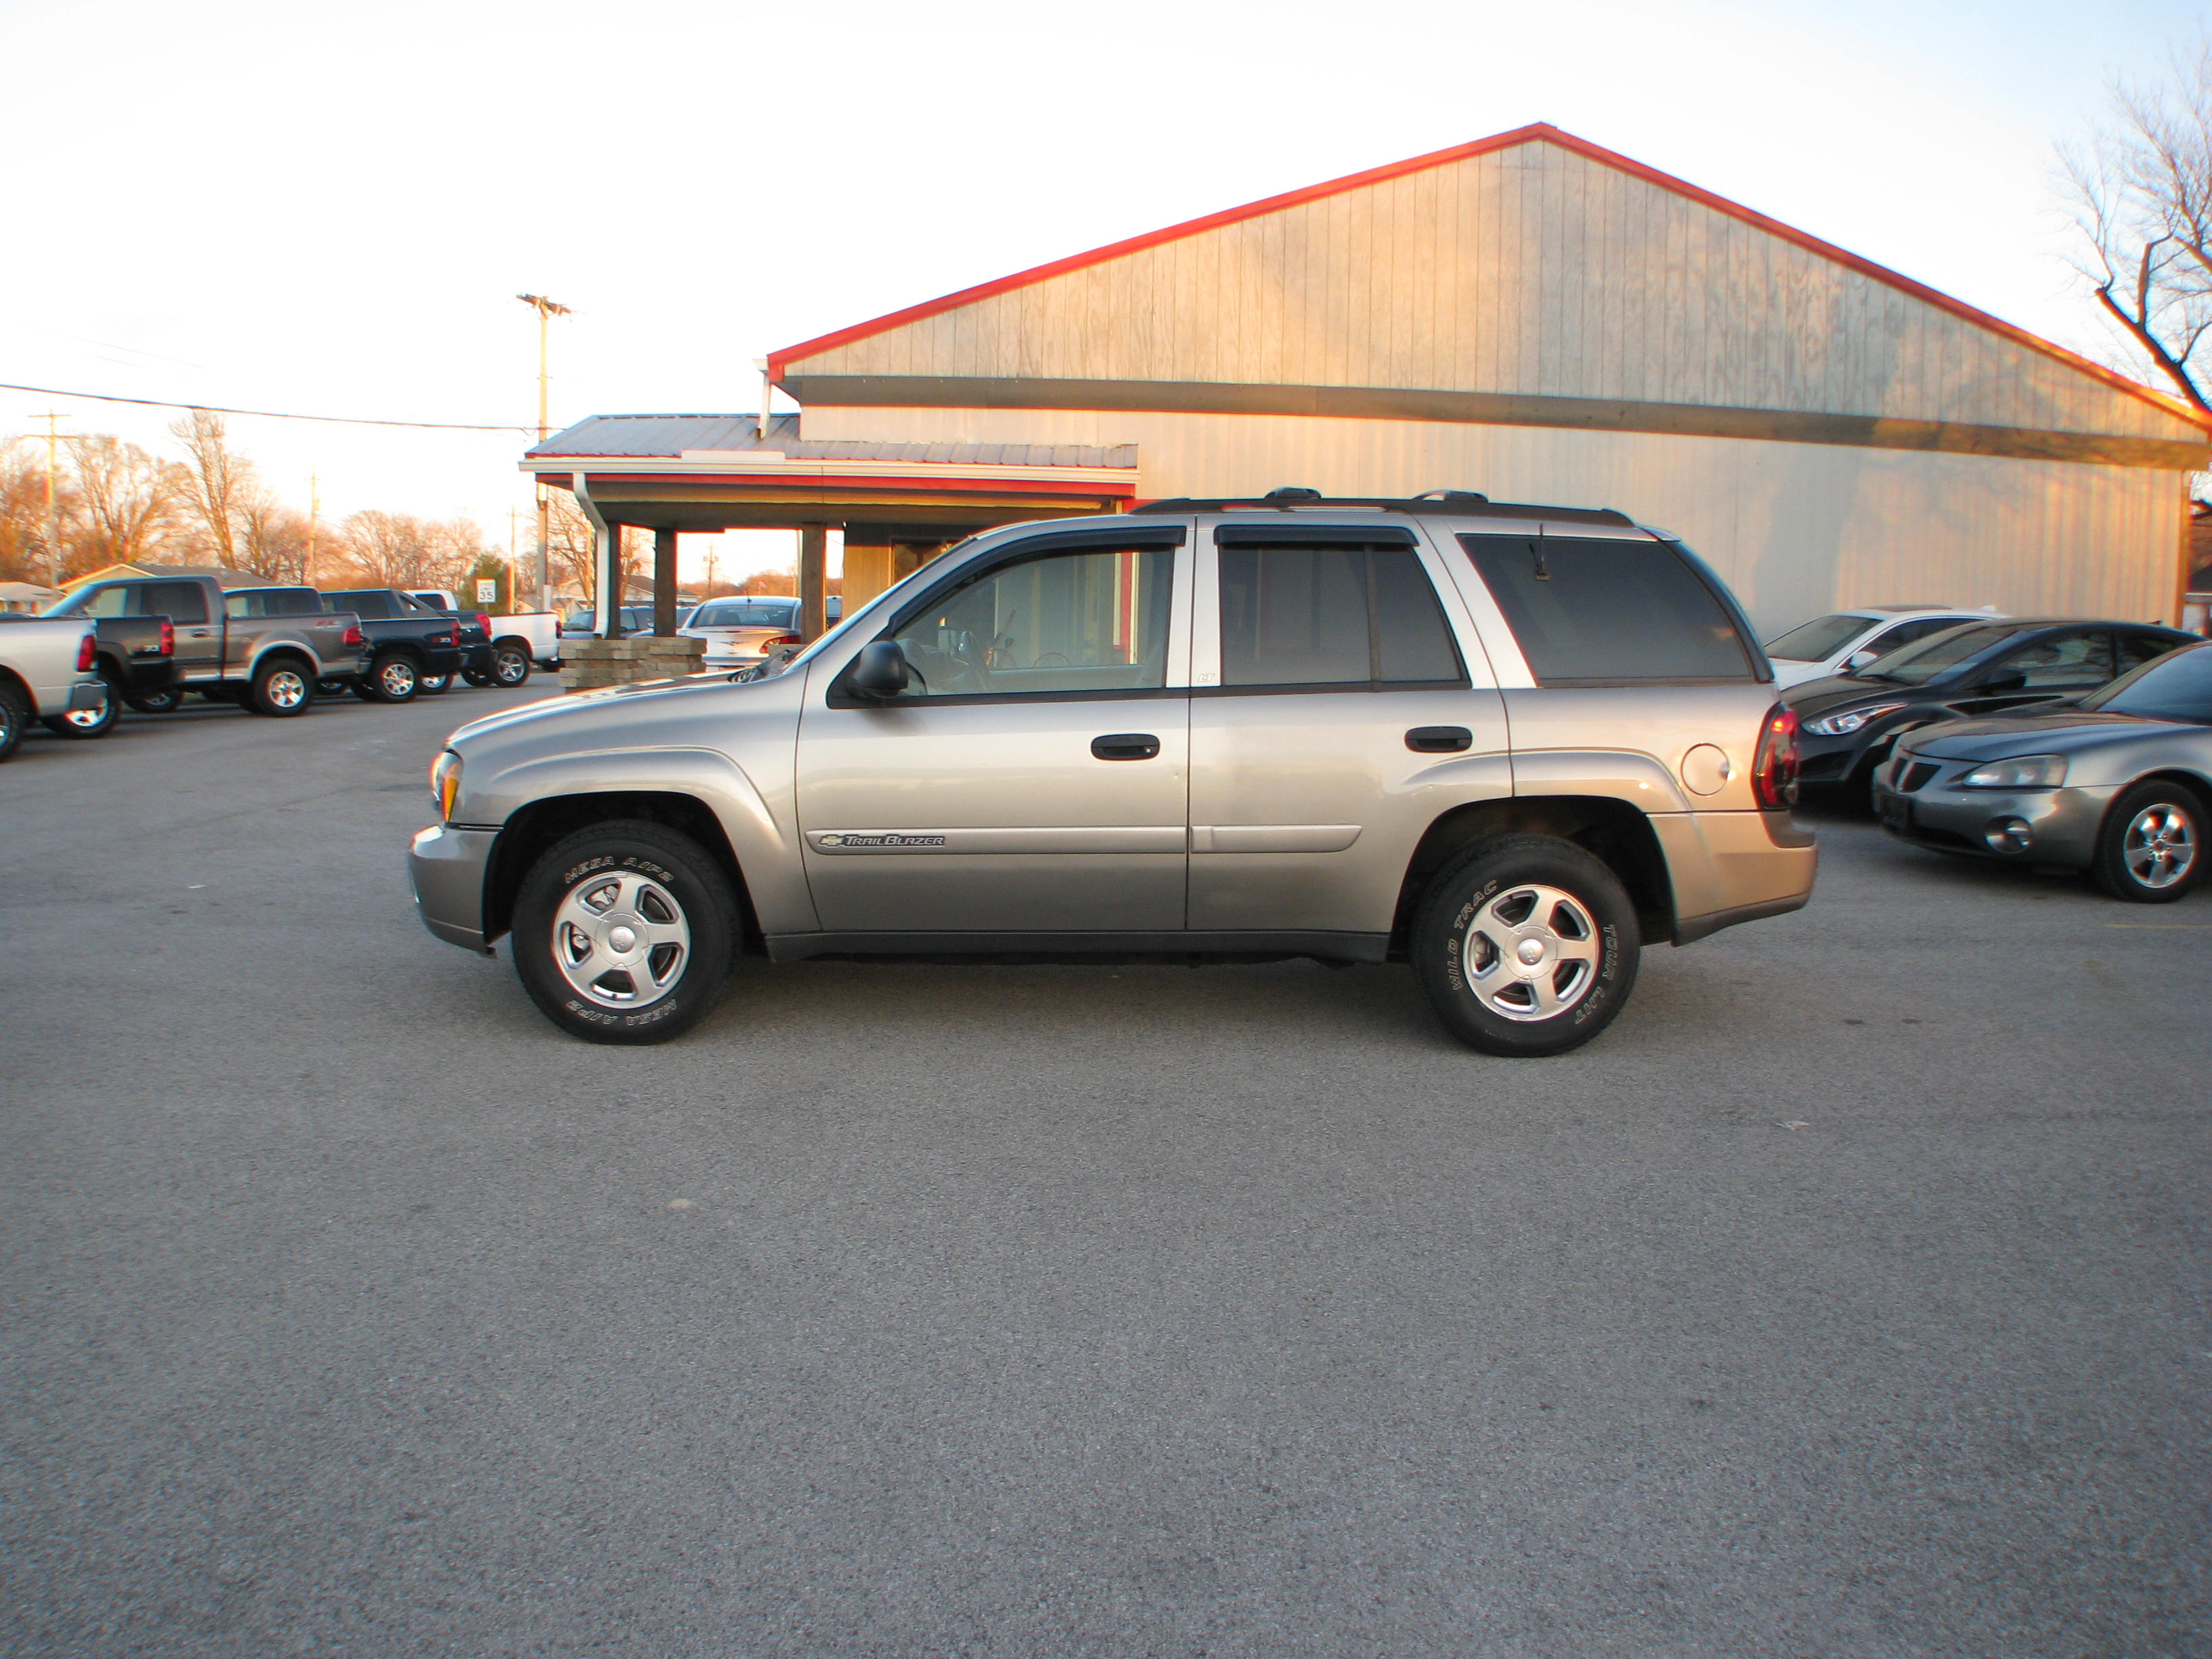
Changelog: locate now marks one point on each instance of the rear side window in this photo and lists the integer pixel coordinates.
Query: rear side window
(1600, 612)
(180, 602)
(1332, 615)
(369, 605)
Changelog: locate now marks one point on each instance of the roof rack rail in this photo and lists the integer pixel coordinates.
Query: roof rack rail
(1461, 503)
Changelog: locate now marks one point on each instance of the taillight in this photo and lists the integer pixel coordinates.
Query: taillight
(780, 640)
(169, 638)
(87, 654)
(1774, 766)
(355, 637)
(484, 621)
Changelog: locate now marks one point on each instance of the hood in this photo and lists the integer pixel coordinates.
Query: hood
(583, 708)
(1816, 698)
(2001, 737)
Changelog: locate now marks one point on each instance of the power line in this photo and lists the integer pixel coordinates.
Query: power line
(265, 414)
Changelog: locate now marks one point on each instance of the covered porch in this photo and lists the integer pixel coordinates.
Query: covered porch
(897, 504)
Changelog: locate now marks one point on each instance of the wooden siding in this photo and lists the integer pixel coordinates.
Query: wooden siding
(1797, 529)
(1533, 270)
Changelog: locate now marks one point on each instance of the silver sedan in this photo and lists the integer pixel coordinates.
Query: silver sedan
(2118, 783)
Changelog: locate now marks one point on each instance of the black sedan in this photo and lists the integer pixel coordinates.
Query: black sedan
(1846, 723)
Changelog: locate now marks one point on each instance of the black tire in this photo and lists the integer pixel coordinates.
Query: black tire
(478, 677)
(14, 715)
(217, 693)
(167, 701)
(510, 665)
(432, 685)
(333, 687)
(2151, 849)
(676, 874)
(1584, 932)
(282, 687)
(85, 722)
(393, 678)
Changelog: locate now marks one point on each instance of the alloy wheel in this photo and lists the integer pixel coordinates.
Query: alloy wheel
(285, 688)
(1532, 952)
(2159, 845)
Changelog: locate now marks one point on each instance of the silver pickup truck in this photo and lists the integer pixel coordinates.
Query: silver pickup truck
(48, 670)
(1509, 744)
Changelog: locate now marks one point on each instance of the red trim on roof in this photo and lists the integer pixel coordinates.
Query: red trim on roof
(779, 362)
(1074, 489)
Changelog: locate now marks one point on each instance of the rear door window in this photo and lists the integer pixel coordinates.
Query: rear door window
(2062, 662)
(1596, 611)
(1304, 614)
(180, 602)
(2136, 649)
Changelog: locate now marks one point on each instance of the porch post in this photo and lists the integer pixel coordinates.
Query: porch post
(813, 563)
(606, 561)
(664, 582)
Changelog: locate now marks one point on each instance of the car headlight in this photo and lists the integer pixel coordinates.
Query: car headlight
(446, 784)
(1842, 725)
(2028, 772)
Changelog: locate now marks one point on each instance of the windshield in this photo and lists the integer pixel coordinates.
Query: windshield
(746, 613)
(1820, 639)
(2174, 687)
(1921, 662)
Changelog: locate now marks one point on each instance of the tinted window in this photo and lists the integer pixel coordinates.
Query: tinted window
(2136, 649)
(746, 613)
(1599, 612)
(1819, 639)
(180, 602)
(1917, 664)
(2062, 659)
(1076, 620)
(1909, 633)
(2177, 686)
(1331, 615)
(273, 602)
(370, 605)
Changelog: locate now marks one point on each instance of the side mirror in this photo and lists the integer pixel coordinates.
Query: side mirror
(2005, 679)
(1859, 660)
(880, 671)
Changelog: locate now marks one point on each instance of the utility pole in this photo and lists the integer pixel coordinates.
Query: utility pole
(53, 514)
(314, 513)
(546, 310)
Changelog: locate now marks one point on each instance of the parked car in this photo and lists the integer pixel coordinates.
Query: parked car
(48, 668)
(2118, 783)
(1508, 745)
(584, 624)
(1847, 723)
(265, 660)
(740, 632)
(411, 648)
(1837, 643)
(520, 641)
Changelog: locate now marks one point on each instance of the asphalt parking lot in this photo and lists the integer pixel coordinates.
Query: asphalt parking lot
(1847, 1298)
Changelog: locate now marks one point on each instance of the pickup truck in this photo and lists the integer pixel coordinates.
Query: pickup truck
(412, 648)
(230, 646)
(48, 671)
(137, 658)
(520, 641)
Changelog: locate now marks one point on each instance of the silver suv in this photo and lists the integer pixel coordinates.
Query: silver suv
(1508, 745)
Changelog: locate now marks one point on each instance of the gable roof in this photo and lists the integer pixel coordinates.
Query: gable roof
(781, 361)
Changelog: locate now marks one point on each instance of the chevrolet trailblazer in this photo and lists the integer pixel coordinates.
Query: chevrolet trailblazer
(1509, 744)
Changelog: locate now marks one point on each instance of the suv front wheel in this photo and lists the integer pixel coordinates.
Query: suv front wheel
(1528, 945)
(622, 932)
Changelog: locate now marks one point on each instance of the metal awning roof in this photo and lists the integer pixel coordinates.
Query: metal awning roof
(736, 437)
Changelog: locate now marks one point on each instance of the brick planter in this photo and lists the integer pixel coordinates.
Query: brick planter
(594, 664)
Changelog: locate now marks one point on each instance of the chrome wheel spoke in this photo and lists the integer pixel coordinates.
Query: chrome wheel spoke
(1532, 952)
(620, 940)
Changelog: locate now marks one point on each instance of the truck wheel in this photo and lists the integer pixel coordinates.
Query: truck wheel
(281, 688)
(510, 664)
(431, 684)
(478, 676)
(87, 722)
(2151, 850)
(393, 679)
(1526, 946)
(622, 932)
(14, 715)
(167, 701)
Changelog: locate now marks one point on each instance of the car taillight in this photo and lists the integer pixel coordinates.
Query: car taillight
(87, 654)
(780, 640)
(484, 621)
(1774, 766)
(355, 637)
(169, 638)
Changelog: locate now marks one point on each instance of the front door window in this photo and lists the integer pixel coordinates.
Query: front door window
(1089, 622)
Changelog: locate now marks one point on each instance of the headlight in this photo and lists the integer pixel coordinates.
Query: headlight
(2028, 772)
(1842, 725)
(444, 784)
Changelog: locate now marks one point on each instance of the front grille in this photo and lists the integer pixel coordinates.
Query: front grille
(1916, 775)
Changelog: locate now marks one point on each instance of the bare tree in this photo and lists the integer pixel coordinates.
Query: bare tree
(2140, 195)
(218, 481)
(388, 549)
(22, 511)
(128, 502)
(273, 537)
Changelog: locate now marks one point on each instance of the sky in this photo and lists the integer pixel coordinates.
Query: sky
(330, 209)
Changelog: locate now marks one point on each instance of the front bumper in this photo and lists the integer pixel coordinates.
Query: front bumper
(448, 868)
(2061, 824)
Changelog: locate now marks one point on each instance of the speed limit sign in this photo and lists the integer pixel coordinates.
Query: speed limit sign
(487, 590)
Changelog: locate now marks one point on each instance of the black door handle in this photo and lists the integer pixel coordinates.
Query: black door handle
(1126, 745)
(1439, 739)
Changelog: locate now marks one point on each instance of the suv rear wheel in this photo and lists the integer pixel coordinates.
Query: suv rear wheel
(1528, 945)
(622, 932)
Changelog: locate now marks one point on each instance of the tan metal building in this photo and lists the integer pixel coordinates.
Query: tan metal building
(1541, 319)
